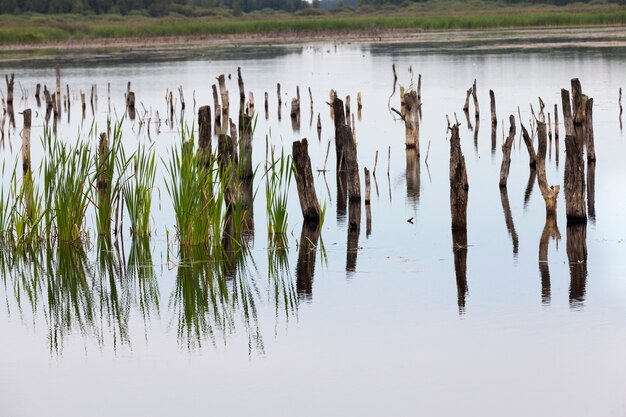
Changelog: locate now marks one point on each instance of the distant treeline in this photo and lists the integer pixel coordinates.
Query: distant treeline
(210, 7)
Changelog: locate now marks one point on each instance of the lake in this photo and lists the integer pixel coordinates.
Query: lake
(394, 319)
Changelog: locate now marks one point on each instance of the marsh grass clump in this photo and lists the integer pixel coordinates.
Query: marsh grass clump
(277, 181)
(68, 180)
(196, 195)
(138, 191)
(111, 166)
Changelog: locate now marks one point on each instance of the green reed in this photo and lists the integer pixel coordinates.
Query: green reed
(111, 165)
(68, 180)
(138, 191)
(277, 181)
(196, 195)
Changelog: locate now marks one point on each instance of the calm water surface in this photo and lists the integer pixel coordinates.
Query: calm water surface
(379, 323)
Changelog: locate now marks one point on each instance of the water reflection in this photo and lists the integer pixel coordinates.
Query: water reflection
(412, 176)
(577, 257)
(354, 229)
(459, 248)
(307, 251)
(508, 218)
(342, 196)
(550, 232)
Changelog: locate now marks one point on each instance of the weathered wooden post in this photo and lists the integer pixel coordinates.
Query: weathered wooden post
(346, 152)
(411, 120)
(242, 92)
(227, 164)
(348, 107)
(58, 90)
(359, 104)
(532, 156)
(130, 105)
(476, 107)
(224, 95)
(458, 182)
(217, 110)
(467, 97)
(506, 153)
(245, 148)
(549, 192)
(304, 181)
(367, 186)
(589, 138)
(280, 100)
(492, 105)
(26, 141)
(204, 133)
(574, 178)
(37, 93)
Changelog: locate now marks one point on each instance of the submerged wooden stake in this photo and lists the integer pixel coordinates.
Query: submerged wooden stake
(475, 96)
(10, 85)
(589, 138)
(492, 105)
(26, 141)
(245, 148)
(58, 90)
(204, 133)
(458, 182)
(467, 97)
(506, 153)
(574, 177)
(304, 180)
(367, 185)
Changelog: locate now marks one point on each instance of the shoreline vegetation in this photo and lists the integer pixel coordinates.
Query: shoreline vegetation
(387, 23)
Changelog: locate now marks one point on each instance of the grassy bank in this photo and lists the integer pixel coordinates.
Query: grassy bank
(37, 29)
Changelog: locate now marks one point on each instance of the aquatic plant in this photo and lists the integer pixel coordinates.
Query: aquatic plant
(192, 186)
(138, 191)
(277, 181)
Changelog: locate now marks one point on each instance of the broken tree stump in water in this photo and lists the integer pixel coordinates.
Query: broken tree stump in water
(204, 133)
(506, 153)
(245, 148)
(304, 181)
(574, 177)
(548, 192)
(26, 141)
(346, 151)
(458, 182)
(227, 164)
(589, 137)
(10, 86)
(58, 90)
(467, 97)
(411, 120)
(242, 92)
(221, 80)
(217, 109)
(532, 156)
(492, 105)
(475, 96)
(366, 173)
